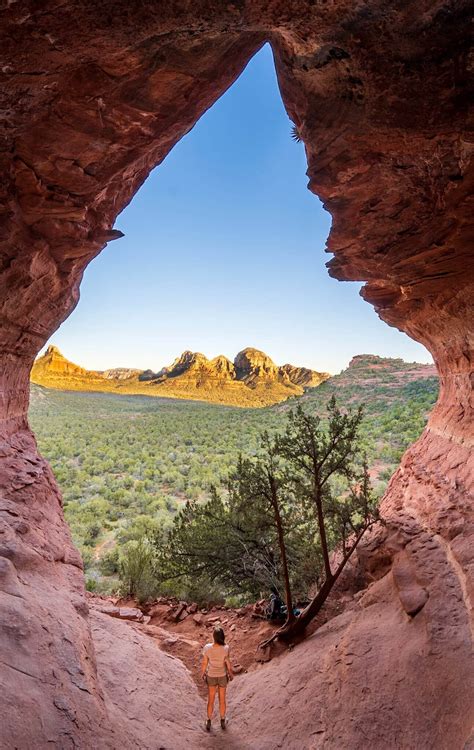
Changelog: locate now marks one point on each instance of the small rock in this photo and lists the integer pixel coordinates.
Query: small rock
(176, 615)
(131, 613)
(264, 655)
(169, 642)
(108, 609)
(198, 618)
(21, 527)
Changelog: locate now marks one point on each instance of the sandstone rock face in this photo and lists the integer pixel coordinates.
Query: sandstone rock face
(94, 97)
(186, 362)
(304, 376)
(254, 367)
(120, 373)
(259, 381)
(224, 367)
(149, 695)
(53, 363)
(252, 364)
(252, 380)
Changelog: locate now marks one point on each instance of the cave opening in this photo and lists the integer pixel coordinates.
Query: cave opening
(225, 228)
(97, 95)
(219, 249)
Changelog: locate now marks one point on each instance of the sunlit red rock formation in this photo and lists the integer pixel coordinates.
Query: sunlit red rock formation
(191, 376)
(255, 368)
(120, 373)
(94, 96)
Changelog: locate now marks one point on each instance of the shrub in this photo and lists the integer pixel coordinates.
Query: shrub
(109, 562)
(87, 557)
(137, 570)
(108, 586)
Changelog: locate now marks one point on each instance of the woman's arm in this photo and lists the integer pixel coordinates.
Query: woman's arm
(228, 667)
(205, 662)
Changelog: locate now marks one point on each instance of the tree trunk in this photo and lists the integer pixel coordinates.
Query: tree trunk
(315, 606)
(300, 623)
(291, 630)
(322, 533)
(284, 560)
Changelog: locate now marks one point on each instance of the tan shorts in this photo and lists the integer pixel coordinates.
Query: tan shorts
(213, 681)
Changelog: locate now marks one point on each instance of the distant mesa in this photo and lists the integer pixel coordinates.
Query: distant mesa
(121, 373)
(371, 360)
(252, 380)
(370, 365)
(54, 362)
(250, 366)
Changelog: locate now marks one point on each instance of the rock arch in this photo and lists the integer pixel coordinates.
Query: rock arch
(94, 97)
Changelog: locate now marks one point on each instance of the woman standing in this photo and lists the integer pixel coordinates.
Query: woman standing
(216, 671)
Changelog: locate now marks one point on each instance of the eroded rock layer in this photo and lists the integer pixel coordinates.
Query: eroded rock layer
(256, 382)
(94, 95)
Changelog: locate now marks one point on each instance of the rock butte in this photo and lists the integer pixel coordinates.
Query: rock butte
(252, 380)
(94, 96)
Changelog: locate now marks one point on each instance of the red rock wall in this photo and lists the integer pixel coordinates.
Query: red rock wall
(94, 96)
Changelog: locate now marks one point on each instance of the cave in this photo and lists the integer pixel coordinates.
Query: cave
(94, 97)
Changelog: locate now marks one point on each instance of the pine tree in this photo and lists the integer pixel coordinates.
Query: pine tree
(315, 458)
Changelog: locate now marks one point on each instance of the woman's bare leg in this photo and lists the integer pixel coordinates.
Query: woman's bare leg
(211, 696)
(222, 705)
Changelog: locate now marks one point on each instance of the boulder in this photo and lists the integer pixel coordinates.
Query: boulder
(177, 614)
(131, 613)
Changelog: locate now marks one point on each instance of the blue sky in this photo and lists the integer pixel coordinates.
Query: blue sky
(223, 249)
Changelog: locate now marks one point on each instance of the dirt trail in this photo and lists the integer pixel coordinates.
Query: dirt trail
(184, 635)
(177, 631)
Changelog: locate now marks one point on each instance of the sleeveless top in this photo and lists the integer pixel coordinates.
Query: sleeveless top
(217, 655)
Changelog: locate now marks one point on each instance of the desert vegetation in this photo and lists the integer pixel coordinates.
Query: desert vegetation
(127, 464)
(306, 493)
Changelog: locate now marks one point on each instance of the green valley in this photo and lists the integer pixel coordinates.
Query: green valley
(125, 463)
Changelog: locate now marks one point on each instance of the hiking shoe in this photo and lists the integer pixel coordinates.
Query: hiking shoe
(223, 724)
(208, 725)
